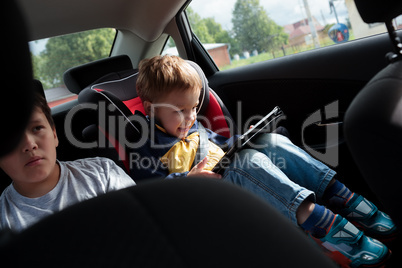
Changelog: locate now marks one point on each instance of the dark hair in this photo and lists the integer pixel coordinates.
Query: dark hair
(41, 103)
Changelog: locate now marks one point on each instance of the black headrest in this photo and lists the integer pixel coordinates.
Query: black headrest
(17, 75)
(165, 223)
(378, 11)
(38, 87)
(78, 78)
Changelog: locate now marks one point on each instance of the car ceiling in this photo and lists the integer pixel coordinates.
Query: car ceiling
(145, 18)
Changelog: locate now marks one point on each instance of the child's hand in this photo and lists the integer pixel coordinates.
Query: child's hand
(198, 170)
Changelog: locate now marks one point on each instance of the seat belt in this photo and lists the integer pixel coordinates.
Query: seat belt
(203, 145)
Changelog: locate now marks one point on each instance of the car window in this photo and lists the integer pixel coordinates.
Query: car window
(51, 57)
(241, 32)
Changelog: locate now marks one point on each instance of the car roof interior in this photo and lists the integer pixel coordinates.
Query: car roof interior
(57, 17)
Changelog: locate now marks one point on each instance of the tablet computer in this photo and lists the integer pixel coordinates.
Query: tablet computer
(263, 126)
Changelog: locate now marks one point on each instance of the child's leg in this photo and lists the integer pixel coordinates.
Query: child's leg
(314, 218)
(341, 240)
(255, 172)
(306, 171)
(357, 209)
(298, 165)
(337, 194)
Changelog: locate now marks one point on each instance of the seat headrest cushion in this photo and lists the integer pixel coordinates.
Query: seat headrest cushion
(38, 87)
(78, 78)
(373, 11)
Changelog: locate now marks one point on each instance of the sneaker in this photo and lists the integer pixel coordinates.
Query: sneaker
(349, 247)
(366, 216)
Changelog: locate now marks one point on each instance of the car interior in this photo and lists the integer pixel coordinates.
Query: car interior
(352, 88)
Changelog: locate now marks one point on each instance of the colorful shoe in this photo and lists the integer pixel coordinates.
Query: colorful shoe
(366, 216)
(349, 247)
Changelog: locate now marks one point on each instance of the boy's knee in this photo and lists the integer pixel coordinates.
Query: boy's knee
(272, 142)
(251, 159)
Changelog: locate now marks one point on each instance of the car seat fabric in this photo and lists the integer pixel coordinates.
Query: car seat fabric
(17, 76)
(373, 130)
(378, 11)
(122, 86)
(79, 77)
(108, 124)
(212, 112)
(165, 224)
(373, 121)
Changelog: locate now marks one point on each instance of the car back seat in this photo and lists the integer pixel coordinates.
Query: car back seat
(114, 94)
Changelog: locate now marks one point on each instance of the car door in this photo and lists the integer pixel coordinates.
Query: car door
(314, 89)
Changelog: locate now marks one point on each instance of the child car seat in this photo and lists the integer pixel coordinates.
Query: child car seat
(115, 98)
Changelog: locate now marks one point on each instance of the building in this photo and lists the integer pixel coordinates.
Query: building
(300, 32)
(219, 53)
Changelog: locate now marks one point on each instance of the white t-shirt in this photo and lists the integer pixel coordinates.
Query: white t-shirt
(79, 180)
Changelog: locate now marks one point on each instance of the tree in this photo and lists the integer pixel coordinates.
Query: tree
(207, 29)
(210, 31)
(254, 30)
(66, 51)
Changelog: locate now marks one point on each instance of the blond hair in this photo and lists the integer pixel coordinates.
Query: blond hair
(161, 75)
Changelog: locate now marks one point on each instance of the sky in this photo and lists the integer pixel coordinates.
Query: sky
(37, 46)
(281, 11)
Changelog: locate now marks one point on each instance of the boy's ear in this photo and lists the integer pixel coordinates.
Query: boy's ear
(148, 107)
(56, 139)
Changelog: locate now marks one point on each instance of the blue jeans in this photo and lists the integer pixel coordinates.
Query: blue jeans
(280, 173)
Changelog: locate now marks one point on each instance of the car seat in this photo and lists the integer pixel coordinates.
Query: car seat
(17, 75)
(165, 223)
(373, 121)
(115, 98)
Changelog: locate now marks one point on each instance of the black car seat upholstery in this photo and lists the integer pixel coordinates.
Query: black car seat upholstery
(373, 122)
(16, 76)
(167, 223)
(79, 77)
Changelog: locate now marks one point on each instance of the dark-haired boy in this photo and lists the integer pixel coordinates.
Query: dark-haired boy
(42, 185)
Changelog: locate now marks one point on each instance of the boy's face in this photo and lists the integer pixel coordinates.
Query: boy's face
(176, 112)
(34, 159)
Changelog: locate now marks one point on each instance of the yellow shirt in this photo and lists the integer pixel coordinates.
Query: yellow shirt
(181, 156)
